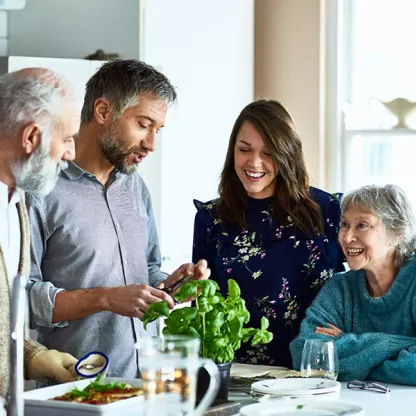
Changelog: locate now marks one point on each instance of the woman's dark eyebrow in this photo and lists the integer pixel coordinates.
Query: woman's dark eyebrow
(244, 142)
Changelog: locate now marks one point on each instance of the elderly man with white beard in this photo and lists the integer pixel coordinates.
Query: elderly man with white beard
(38, 119)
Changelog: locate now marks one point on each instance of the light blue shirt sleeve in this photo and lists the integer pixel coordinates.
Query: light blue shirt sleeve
(41, 294)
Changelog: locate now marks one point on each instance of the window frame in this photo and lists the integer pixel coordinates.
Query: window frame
(339, 47)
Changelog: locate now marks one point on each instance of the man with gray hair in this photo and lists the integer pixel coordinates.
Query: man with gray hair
(38, 119)
(95, 252)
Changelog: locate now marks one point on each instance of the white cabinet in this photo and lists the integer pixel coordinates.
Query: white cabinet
(77, 71)
(12, 4)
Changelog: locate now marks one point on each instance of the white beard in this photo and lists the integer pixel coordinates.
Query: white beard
(38, 174)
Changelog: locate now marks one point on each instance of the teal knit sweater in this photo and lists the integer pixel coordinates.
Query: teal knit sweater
(379, 334)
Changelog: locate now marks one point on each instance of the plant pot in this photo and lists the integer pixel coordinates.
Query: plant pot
(203, 382)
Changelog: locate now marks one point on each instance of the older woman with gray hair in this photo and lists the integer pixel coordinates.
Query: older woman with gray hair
(370, 310)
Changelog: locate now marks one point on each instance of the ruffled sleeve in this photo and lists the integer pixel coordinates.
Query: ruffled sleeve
(331, 213)
(208, 231)
(202, 230)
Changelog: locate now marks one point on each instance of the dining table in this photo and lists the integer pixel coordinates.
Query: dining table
(400, 401)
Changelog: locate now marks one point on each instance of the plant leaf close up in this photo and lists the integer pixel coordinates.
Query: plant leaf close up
(220, 322)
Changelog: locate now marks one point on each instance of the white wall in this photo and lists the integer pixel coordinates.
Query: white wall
(75, 28)
(207, 49)
(290, 67)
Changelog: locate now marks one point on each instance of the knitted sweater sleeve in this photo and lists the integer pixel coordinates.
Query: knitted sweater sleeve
(31, 348)
(360, 354)
(399, 369)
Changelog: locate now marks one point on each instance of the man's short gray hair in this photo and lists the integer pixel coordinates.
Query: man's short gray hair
(390, 204)
(122, 82)
(32, 95)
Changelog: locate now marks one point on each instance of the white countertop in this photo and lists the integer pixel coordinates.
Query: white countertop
(401, 401)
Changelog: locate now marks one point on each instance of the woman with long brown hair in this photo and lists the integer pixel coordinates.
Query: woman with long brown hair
(269, 230)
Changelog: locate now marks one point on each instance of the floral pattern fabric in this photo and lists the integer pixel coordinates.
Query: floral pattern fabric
(279, 270)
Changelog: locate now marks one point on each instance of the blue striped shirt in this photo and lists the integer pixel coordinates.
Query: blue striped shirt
(86, 235)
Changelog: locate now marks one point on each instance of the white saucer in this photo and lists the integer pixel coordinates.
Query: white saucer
(299, 409)
(306, 398)
(296, 386)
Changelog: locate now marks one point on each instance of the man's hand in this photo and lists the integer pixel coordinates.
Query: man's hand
(199, 270)
(332, 331)
(134, 300)
(51, 364)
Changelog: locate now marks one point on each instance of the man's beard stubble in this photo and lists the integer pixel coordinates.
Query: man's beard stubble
(115, 151)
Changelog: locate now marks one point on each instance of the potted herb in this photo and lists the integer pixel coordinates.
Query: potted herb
(218, 321)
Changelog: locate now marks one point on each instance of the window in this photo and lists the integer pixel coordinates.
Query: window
(378, 104)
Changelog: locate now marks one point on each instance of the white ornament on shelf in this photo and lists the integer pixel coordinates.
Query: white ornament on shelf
(401, 108)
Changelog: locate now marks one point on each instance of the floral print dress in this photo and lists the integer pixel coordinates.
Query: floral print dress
(278, 270)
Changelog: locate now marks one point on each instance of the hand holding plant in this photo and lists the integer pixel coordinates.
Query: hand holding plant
(217, 321)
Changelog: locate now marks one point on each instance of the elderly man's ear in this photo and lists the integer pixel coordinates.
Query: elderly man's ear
(31, 138)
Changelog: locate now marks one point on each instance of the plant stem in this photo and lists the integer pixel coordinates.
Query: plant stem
(203, 329)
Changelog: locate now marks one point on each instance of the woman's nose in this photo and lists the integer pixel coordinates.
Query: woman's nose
(349, 236)
(256, 160)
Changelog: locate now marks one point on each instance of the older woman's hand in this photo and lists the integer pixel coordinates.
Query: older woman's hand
(332, 331)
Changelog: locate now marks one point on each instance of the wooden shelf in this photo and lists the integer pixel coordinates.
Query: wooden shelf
(381, 132)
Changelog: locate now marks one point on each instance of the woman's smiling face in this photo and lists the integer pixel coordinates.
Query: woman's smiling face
(253, 163)
(364, 240)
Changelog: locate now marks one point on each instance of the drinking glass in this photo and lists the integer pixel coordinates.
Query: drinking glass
(169, 367)
(319, 359)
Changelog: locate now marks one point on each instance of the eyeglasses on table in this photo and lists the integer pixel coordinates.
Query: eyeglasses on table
(368, 385)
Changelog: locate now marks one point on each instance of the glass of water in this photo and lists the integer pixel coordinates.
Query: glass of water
(169, 367)
(319, 359)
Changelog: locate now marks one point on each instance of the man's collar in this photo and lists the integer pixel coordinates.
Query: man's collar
(73, 171)
(4, 195)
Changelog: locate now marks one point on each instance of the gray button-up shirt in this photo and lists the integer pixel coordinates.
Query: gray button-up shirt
(85, 235)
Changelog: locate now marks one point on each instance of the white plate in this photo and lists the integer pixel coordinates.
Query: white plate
(313, 397)
(296, 386)
(300, 409)
(37, 402)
